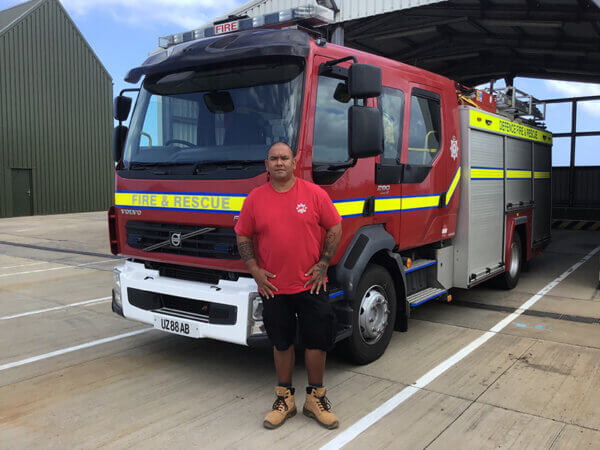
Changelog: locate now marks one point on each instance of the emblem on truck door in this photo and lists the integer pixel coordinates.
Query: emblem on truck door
(454, 148)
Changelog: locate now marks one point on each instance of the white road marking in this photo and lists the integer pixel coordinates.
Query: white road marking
(60, 268)
(374, 416)
(72, 349)
(55, 308)
(25, 265)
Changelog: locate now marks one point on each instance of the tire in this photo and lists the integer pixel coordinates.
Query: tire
(375, 286)
(509, 279)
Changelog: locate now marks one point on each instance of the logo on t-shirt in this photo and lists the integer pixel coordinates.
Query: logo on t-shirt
(301, 208)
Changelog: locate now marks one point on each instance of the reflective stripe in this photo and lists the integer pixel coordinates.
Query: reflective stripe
(199, 202)
(489, 122)
(487, 173)
(512, 174)
(541, 175)
(420, 202)
(351, 207)
(453, 186)
(232, 203)
(388, 205)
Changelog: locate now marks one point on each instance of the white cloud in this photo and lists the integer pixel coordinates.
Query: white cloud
(575, 89)
(187, 14)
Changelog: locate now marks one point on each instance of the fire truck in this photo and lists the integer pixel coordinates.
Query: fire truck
(439, 187)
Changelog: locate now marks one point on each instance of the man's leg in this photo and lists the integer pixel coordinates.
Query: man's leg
(317, 327)
(315, 366)
(284, 365)
(280, 323)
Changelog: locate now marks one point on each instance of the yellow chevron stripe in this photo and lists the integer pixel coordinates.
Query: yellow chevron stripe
(539, 175)
(564, 225)
(453, 186)
(595, 227)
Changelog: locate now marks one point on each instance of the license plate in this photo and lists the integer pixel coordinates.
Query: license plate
(177, 326)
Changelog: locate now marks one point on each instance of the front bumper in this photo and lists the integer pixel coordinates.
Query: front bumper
(229, 300)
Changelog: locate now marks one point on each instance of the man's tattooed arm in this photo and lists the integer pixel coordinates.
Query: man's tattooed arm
(246, 248)
(332, 240)
(318, 272)
(261, 276)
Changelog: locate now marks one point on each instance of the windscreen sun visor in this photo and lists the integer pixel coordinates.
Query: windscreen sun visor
(232, 47)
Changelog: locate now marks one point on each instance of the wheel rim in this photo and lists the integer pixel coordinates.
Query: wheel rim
(515, 258)
(373, 315)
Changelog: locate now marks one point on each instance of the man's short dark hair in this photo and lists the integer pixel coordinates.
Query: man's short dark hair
(281, 143)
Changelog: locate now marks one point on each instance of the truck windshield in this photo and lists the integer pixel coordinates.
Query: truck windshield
(215, 116)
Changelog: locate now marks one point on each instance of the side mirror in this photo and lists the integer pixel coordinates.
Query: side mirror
(219, 102)
(119, 137)
(364, 81)
(365, 132)
(121, 108)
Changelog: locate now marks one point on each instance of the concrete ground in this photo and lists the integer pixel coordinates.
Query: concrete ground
(535, 384)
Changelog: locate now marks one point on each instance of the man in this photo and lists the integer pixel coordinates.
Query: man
(280, 238)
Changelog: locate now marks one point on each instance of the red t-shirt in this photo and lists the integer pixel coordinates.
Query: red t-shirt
(288, 229)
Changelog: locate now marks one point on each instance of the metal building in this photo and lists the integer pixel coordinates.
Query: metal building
(55, 115)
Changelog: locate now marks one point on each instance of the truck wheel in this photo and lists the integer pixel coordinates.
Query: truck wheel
(374, 316)
(509, 279)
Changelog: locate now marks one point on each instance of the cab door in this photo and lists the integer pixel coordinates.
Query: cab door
(388, 172)
(326, 161)
(425, 169)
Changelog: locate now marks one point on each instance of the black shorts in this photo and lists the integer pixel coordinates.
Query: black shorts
(316, 320)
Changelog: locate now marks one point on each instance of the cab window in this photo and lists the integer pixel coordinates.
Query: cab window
(391, 104)
(425, 129)
(330, 142)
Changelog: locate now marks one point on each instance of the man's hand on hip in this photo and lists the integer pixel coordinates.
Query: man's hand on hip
(318, 277)
(261, 276)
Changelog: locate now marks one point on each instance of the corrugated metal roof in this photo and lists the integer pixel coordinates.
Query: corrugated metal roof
(12, 15)
(349, 9)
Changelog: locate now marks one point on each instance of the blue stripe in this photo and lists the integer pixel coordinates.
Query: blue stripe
(414, 196)
(337, 294)
(179, 209)
(348, 200)
(490, 178)
(430, 298)
(492, 168)
(419, 209)
(351, 215)
(421, 267)
(182, 193)
(388, 212)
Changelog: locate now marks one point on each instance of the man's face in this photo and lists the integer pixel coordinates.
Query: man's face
(280, 163)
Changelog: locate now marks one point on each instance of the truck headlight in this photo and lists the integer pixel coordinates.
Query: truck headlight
(256, 304)
(117, 286)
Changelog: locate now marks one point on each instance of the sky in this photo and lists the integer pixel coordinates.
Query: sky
(123, 32)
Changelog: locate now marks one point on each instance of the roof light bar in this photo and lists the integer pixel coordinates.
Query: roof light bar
(311, 14)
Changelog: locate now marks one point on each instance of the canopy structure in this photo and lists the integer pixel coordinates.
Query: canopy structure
(472, 41)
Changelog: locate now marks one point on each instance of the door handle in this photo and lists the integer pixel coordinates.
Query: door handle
(29, 192)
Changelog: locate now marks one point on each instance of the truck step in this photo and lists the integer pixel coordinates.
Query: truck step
(425, 295)
(420, 264)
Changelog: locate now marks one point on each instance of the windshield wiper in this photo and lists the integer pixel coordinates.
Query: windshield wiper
(144, 165)
(231, 162)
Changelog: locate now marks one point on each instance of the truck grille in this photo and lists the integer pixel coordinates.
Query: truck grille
(219, 243)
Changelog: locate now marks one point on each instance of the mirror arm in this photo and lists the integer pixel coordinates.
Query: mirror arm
(331, 68)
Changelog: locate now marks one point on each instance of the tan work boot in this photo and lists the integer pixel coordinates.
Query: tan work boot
(283, 408)
(318, 407)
